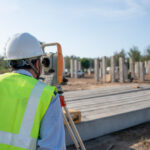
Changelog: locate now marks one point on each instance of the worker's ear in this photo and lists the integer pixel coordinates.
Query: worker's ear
(37, 65)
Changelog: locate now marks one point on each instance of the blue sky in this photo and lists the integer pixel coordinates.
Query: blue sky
(85, 28)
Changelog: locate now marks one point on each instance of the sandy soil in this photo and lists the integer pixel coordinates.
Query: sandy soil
(89, 83)
(136, 138)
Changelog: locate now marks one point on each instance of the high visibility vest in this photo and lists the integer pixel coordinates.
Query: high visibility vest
(23, 103)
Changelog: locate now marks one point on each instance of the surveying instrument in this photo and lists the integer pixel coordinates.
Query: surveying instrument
(52, 72)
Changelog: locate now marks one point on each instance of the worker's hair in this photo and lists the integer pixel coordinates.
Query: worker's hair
(21, 64)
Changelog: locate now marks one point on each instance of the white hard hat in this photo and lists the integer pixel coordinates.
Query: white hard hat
(23, 46)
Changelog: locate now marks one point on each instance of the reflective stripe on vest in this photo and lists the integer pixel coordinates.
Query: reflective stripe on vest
(23, 139)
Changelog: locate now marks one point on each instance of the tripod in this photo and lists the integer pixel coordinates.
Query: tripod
(70, 124)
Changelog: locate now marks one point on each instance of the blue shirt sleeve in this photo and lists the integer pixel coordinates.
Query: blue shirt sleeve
(52, 133)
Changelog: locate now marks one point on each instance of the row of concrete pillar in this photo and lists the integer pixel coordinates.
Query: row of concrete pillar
(136, 68)
(75, 66)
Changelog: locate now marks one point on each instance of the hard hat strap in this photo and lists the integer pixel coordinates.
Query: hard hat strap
(34, 69)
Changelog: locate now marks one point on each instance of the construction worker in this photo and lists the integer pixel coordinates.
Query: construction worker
(30, 112)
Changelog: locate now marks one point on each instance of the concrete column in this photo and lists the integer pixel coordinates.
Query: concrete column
(148, 66)
(90, 68)
(100, 70)
(96, 69)
(121, 69)
(76, 68)
(126, 70)
(79, 65)
(131, 65)
(89, 71)
(142, 75)
(117, 74)
(104, 68)
(137, 70)
(113, 64)
(72, 67)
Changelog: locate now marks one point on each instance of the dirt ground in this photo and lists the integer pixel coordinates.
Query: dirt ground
(88, 82)
(136, 138)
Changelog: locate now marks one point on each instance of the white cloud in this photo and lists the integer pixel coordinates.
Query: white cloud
(131, 8)
(112, 8)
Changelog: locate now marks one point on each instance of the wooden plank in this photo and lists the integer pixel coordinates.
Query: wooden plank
(75, 114)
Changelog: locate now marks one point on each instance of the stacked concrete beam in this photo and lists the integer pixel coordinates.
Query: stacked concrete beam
(76, 68)
(113, 69)
(104, 68)
(72, 67)
(121, 69)
(110, 111)
(96, 69)
(131, 67)
(137, 70)
(142, 74)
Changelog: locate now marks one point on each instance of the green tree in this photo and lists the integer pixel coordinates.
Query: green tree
(67, 62)
(3, 65)
(91, 62)
(147, 54)
(135, 54)
(122, 54)
(85, 63)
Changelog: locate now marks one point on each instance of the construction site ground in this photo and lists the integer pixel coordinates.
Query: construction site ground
(88, 82)
(135, 138)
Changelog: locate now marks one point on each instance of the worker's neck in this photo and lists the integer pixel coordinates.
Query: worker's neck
(32, 72)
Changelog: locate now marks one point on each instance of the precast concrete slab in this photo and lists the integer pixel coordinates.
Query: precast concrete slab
(109, 109)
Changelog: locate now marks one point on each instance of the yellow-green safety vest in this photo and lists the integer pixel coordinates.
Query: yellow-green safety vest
(23, 103)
